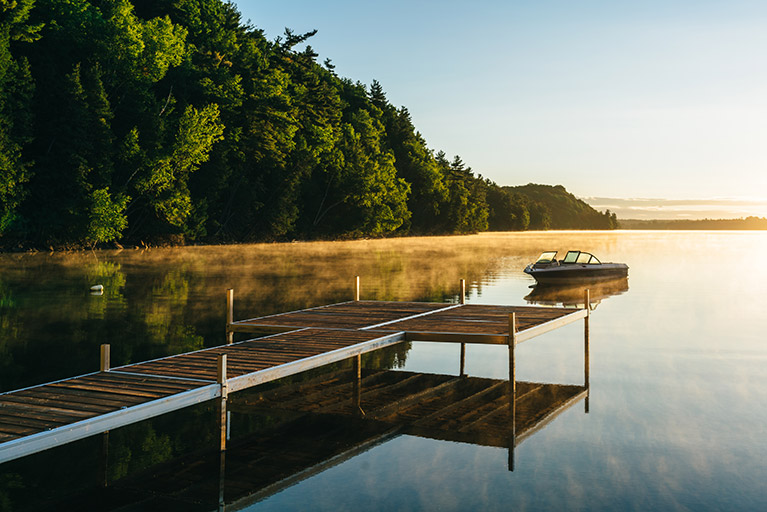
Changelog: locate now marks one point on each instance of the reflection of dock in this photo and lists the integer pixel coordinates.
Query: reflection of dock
(319, 426)
(455, 408)
(45, 416)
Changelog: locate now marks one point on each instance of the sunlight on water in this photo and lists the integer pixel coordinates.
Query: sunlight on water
(677, 383)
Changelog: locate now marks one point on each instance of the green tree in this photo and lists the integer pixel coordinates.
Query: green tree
(466, 208)
(16, 88)
(362, 193)
(414, 161)
(162, 187)
(106, 220)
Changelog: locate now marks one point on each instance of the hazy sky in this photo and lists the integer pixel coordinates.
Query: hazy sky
(613, 99)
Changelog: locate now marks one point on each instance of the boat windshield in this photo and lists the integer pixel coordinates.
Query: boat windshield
(581, 258)
(571, 256)
(547, 257)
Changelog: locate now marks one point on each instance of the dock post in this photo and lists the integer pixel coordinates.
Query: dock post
(356, 288)
(356, 384)
(462, 300)
(512, 387)
(221, 379)
(105, 350)
(586, 335)
(229, 315)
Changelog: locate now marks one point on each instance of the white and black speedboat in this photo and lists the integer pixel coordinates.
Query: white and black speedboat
(575, 266)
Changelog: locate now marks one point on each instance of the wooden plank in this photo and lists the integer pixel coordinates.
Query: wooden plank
(11, 419)
(301, 365)
(105, 389)
(412, 317)
(65, 405)
(160, 381)
(16, 430)
(457, 337)
(123, 382)
(43, 411)
(44, 440)
(88, 397)
(7, 437)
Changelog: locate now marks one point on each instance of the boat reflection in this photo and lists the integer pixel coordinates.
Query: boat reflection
(572, 295)
(298, 430)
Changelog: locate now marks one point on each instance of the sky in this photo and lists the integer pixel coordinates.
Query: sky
(625, 100)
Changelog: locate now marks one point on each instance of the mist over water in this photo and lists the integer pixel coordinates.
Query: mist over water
(677, 383)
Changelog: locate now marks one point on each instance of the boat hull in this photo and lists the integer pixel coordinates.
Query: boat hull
(578, 273)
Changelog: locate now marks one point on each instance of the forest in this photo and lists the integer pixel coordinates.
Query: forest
(174, 121)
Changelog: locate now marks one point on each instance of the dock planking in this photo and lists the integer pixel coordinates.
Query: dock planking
(41, 417)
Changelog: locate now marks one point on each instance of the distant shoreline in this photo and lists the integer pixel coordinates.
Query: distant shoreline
(628, 225)
(742, 224)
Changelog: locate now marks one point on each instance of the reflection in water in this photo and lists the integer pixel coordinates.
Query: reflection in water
(678, 373)
(301, 429)
(572, 295)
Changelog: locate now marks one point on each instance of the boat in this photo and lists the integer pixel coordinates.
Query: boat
(576, 266)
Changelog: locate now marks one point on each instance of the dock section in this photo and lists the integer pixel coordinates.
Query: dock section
(41, 417)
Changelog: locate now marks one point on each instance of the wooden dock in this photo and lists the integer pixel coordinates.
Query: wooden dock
(48, 415)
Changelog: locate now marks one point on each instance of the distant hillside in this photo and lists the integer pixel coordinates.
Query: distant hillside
(753, 223)
(553, 207)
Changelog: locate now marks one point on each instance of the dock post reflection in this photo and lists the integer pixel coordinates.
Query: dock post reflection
(357, 384)
(512, 387)
(462, 370)
(229, 315)
(104, 473)
(223, 423)
(587, 299)
(221, 481)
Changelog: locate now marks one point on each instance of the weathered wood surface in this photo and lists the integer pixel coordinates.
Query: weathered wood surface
(346, 315)
(254, 355)
(42, 408)
(478, 319)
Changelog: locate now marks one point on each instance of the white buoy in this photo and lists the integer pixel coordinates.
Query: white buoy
(97, 288)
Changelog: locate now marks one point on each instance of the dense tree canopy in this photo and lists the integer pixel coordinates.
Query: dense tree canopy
(174, 120)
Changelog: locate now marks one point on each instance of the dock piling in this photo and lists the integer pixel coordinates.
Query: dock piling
(223, 419)
(105, 349)
(229, 315)
(356, 288)
(462, 299)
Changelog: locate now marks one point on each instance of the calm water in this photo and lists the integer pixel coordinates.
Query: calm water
(677, 417)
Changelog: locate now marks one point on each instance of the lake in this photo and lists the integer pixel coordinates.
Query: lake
(676, 406)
